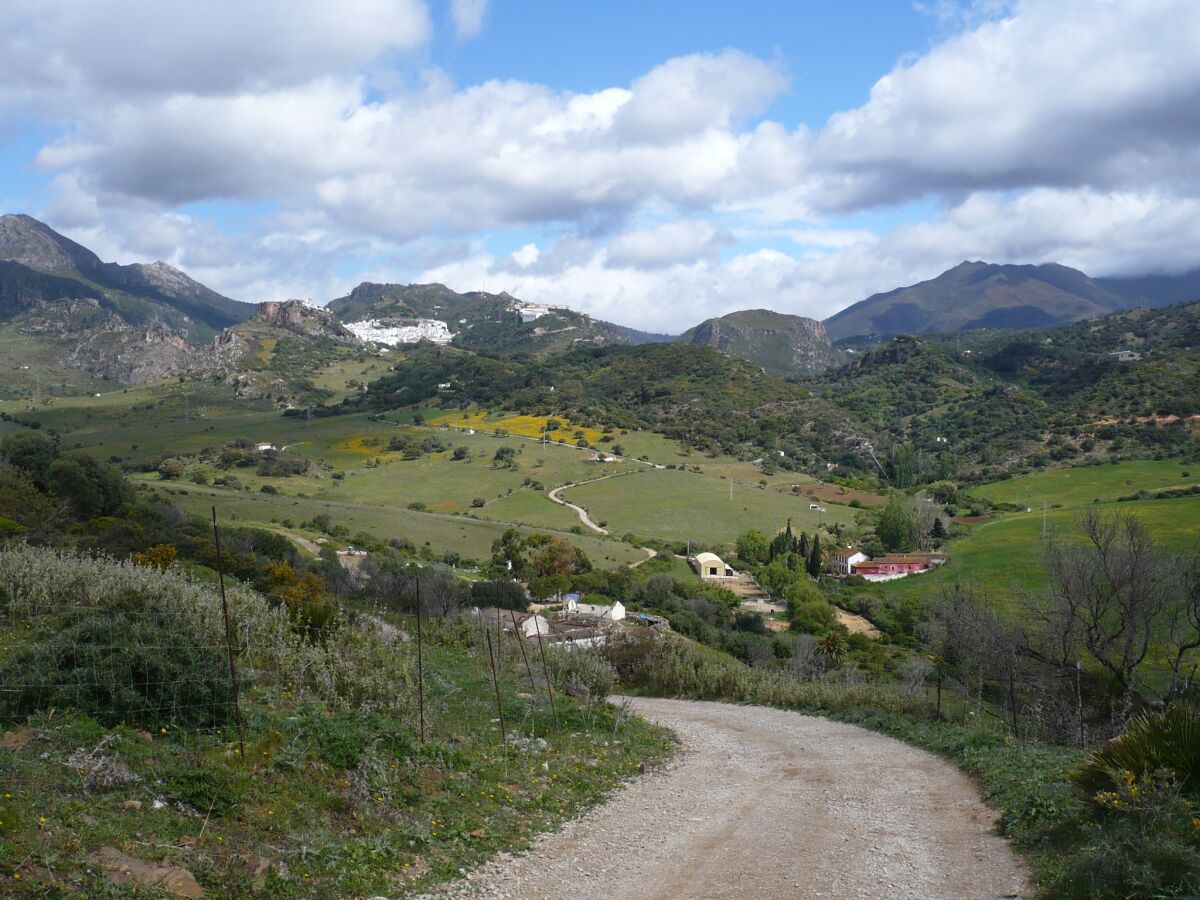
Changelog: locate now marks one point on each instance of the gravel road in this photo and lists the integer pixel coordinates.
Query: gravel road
(768, 803)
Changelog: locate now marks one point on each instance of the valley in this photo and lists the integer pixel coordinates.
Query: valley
(878, 530)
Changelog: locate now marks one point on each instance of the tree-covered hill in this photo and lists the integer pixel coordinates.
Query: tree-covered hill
(698, 395)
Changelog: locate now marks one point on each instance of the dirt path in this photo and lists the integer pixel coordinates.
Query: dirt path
(856, 624)
(650, 554)
(553, 496)
(768, 803)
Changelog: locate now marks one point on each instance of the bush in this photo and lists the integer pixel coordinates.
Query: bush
(1167, 740)
(130, 658)
(583, 668)
(812, 616)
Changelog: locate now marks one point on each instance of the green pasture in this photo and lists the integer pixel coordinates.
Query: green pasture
(1083, 484)
(1004, 555)
(470, 537)
(676, 505)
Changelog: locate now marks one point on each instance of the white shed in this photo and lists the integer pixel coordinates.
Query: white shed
(709, 565)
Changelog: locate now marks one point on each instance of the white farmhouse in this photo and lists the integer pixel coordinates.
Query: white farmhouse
(846, 558)
(597, 611)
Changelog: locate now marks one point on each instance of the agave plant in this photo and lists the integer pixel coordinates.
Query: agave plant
(1168, 739)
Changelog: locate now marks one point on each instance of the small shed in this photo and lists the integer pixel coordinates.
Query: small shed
(709, 565)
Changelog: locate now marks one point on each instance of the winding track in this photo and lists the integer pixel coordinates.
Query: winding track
(768, 803)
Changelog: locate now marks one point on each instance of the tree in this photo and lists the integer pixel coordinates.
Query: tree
(508, 553)
(558, 557)
(752, 547)
(815, 562)
(832, 648)
(801, 547)
(1110, 594)
(937, 534)
(460, 453)
(894, 528)
(31, 452)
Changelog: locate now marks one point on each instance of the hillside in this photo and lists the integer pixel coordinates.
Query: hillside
(489, 323)
(133, 324)
(979, 295)
(277, 353)
(779, 343)
(697, 395)
(985, 403)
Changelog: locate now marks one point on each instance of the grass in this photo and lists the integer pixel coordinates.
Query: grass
(1077, 486)
(328, 799)
(472, 538)
(674, 505)
(1003, 555)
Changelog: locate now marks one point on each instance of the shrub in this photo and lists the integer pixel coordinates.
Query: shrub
(351, 667)
(130, 658)
(584, 668)
(812, 616)
(1168, 740)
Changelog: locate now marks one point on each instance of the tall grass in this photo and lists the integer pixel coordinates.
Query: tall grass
(674, 667)
(352, 668)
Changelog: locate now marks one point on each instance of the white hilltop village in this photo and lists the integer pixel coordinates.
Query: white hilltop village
(393, 333)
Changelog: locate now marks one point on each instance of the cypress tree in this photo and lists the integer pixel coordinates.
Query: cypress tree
(814, 558)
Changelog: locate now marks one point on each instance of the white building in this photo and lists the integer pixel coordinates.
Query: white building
(846, 558)
(709, 566)
(597, 611)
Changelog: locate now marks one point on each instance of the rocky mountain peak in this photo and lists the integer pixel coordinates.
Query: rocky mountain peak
(25, 240)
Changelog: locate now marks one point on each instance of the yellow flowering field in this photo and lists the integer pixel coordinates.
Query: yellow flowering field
(525, 426)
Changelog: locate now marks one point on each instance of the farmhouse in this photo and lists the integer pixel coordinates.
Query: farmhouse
(897, 565)
(597, 612)
(710, 566)
(846, 558)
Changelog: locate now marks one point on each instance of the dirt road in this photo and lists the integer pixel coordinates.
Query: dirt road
(766, 803)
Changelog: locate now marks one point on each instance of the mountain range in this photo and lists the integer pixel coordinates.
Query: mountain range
(976, 295)
(142, 322)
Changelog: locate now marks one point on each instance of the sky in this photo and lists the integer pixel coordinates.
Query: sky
(649, 162)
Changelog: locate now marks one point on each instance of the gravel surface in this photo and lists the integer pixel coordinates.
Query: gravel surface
(768, 803)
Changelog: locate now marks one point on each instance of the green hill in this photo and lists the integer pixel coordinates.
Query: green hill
(781, 344)
(978, 295)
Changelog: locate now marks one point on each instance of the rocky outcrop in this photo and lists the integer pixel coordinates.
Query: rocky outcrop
(300, 318)
(99, 341)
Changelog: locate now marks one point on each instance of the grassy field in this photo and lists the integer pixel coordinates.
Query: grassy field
(1077, 486)
(675, 505)
(1003, 556)
(471, 538)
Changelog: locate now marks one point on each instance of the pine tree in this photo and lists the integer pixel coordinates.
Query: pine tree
(802, 546)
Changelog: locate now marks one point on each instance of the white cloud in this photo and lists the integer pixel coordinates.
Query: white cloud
(1061, 93)
(526, 256)
(1042, 129)
(668, 244)
(71, 49)
(468, 17)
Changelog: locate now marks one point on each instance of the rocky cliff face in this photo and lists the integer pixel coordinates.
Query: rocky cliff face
(99, 341)
(300, 318)
(779, 343)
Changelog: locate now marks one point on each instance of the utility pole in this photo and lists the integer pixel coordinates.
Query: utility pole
(1043, 518)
